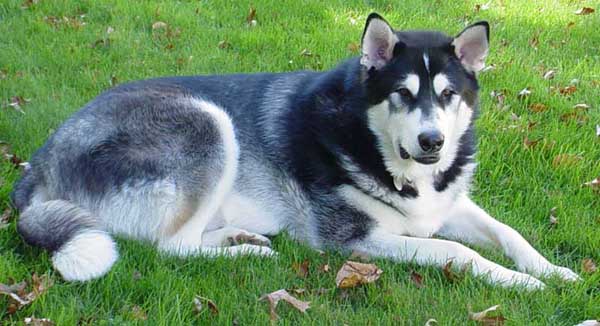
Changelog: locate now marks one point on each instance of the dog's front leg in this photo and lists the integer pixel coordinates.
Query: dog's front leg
(436, 252)
(471, 224)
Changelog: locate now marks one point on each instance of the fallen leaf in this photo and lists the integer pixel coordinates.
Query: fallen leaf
(38, 321)
(20, 297)
(353, 274)
(593, 184)
(325, 268)
(549, 74)
(417, 279)
(590, 322)
(431, 322)
(306, 53)
(525, 92)
(450, 274)
(5, 218)
(538, 107)
(565, 160)
(483, 318)
(28, 3)
(500, 97)
(274, 297)
(16, 102)
(567, 90)
(581, 106)
(584, 11)
(488, 68)
(299, 291)
(535, 40)
(159, 25)
(588, 266)
(301, 268)
(251, 18)
(7, 154)
(136, 275)
(138, 313)
(577, 115)
(553, 220)
(530, 143)
(199, 306)
(353, 47)
(223, 45)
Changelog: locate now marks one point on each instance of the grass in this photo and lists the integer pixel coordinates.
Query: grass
(60, 55)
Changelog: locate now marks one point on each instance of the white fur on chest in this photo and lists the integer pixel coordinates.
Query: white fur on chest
(422, 216)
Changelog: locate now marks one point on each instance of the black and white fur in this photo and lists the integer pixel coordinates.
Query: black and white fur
(375, 155)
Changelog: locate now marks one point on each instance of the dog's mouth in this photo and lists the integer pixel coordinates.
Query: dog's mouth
(427, 159)
(424, 159)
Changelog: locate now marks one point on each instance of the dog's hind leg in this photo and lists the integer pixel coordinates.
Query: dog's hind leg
(469, 223)
(188, 239)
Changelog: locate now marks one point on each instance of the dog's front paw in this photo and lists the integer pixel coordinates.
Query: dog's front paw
(562, 272)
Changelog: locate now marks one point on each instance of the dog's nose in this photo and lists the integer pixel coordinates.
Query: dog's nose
(431, 141)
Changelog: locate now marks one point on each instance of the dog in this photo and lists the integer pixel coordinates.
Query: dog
(375, 156)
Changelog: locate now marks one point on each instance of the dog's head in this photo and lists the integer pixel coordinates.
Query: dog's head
(422, 89)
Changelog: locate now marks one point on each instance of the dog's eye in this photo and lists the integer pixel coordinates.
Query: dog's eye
(404, 92)
(447, 93)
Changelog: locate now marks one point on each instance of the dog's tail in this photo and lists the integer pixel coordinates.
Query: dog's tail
(81, 250)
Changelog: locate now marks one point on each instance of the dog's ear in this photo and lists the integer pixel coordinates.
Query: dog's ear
(471, 46)
(378, 41)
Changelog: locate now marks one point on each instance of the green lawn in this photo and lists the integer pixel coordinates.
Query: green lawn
(59, 54)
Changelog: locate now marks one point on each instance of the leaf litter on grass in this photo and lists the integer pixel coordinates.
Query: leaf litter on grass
(274, 297)
(485, 318)
(18, 295)
(353, 274)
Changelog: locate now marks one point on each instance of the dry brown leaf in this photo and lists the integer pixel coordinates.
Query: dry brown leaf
(500, 97)
(251, 18)
(565, 160)
(199, 306)
(28, 3)
(553, 220)
(535, 40)
(159, 25)
(224, 45)
(325, 268)
(549, 74)
(483, 318)
(567, 90)
(529, 143)
(306, 53)
(538, 107)
(138, 313)
(17, 102)
(274, 297)
(581, 106)
(417, 279)
(5, 218)
(525, 92)
(451, 275)
(353, 47)
(593, 184)
(588, 266)
(584, 11)
(7, 154)
(20, 297)
(38, 321)
(353, 274)
(301, 268)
